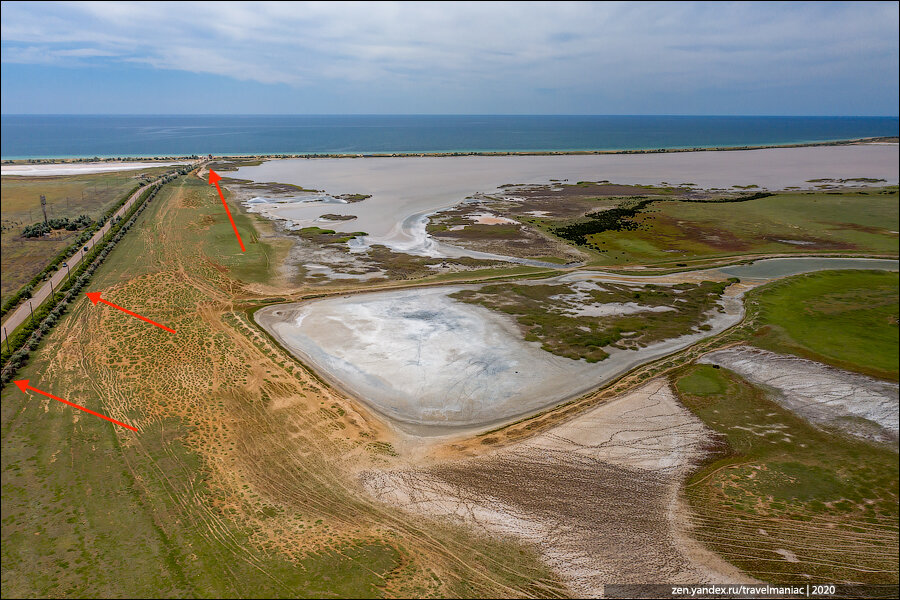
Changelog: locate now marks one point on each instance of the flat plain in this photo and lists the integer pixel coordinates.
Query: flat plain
(252, 475)
(669, 226)
(845, 319)
(68, 196)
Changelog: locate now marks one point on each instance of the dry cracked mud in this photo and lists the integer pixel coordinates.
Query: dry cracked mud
(598, 495)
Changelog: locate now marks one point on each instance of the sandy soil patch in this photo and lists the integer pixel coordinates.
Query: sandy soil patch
(826, 396)
(598, 495)
(489, 219)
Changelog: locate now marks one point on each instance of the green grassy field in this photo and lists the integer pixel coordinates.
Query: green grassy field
(671, 231)
(243, 478)
(843, 318)
(784, 501)
(67, 196)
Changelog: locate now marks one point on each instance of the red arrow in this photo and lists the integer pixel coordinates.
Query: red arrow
(23, 385)
(214, 180)
(95, 298)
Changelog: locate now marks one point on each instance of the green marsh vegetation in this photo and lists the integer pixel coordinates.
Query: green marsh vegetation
(620, 218)
(674, 229)
(399, 266)
(328, 236)
(783, 500)
(847, 319)
(549, 314)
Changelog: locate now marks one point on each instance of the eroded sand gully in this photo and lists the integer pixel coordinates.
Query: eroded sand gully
(856, 404)
(598, 495)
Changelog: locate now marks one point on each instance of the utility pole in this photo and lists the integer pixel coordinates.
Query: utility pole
(44, 207)
(6, 335)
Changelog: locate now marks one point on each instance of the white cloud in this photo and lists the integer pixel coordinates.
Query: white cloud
(615, 49)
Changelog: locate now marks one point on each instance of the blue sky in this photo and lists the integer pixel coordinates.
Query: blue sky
(477, 58)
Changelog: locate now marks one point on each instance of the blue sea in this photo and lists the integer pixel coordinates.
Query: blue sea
(66, 136)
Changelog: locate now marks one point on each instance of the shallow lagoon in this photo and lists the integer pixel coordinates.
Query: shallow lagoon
(406, 190)
(773, 268)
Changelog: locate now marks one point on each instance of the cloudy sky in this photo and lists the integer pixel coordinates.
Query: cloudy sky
(482, 58)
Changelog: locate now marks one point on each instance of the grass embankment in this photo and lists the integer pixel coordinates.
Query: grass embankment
(847, 319)
(242, 479)
(67, 197)
(784, 501)
(668, 231)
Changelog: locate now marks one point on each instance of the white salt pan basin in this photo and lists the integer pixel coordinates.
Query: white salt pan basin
(424, 359)
(46, 170)
(821, 394)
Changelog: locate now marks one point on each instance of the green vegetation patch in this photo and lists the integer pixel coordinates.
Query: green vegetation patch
(700, 383)
(328, 236)
(550, 314)
(401, 266)
(613, 219)
(669, 230)
(785, 501)
(41, 228)
(490, 232)
(844, 318)
(354, 197)
(91, 519)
